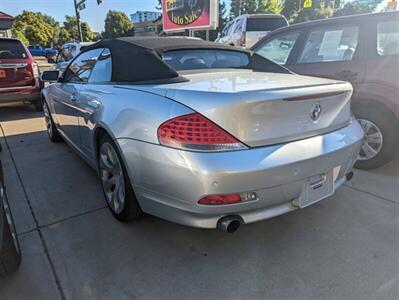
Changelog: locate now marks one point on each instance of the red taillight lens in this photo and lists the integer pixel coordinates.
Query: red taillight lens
(195, 132)
(220, 199)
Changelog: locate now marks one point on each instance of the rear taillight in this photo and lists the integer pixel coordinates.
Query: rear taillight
(228, 199)
(195, 132)
(35, 70)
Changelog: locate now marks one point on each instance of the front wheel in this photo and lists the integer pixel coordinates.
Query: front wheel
(52, 130)
(115, 182)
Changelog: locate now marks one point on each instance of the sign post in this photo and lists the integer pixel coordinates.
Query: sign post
(180, 15)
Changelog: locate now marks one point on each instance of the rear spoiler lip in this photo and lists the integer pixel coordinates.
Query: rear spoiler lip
(314, 96)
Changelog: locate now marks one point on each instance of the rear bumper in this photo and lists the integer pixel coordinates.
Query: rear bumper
(23, 95)
(168, 182)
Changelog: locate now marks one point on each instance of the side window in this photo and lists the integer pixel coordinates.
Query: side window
(225, 30)
(230, 30)
(279, 48)
(79, 70)
(388, 38)
(333, 44)
(102, 71)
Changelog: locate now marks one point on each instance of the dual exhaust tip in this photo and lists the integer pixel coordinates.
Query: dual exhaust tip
(231, 224)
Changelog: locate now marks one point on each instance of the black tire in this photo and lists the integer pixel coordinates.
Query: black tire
(131, 210)
(387, 124)
(52, 130)
(38, 104)
(10, 253)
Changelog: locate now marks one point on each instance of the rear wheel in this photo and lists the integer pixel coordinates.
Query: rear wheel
(115, 182)
(10, 253)
(380, 142)
(52, 130)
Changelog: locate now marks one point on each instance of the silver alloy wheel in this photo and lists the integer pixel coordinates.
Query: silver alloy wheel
(47, 119)
(372, 142)
(9, 219)
(112, 179)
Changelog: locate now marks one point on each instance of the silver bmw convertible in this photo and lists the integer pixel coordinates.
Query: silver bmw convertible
(201, 134)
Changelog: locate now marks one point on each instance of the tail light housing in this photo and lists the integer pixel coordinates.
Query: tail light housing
(197, 133)
(35, 70)
(228, 199)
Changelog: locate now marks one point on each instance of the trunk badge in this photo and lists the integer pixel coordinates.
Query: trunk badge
(315, 112)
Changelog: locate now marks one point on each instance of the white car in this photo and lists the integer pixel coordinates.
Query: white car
(247, 30)
(67, 53)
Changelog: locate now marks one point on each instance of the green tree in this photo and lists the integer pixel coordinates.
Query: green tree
(320, 10)
(34, 27)
(270, 6)
(291, 9)
(63, 36)
(71, 26)
(20, 35)
(117, 24)
(354, 8)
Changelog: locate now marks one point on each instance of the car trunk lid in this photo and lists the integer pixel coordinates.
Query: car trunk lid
(264, 108)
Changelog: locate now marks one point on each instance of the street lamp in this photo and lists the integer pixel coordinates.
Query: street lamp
(78, 7)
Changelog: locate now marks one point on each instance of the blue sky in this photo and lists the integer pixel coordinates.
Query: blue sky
(93, 14)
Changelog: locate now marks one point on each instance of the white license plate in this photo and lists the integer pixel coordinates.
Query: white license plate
(317, 188)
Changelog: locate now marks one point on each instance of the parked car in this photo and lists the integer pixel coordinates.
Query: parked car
(19, 74)
(10, 253)
(246, 30)
(41, 51)
(362, 49)
(67, 53)
(202, 134)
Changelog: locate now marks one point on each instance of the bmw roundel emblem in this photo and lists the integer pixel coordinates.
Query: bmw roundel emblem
(315, 112)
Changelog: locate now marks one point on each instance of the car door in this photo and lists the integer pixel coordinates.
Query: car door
(332, 51)
(66, 94)
(90, 102)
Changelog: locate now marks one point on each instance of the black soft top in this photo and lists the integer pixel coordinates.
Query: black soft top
(140, 58)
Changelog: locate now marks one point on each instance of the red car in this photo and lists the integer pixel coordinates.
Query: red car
(19, 74)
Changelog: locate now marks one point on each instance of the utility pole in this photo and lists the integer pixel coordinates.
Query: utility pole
(78, 7)
(77, 10)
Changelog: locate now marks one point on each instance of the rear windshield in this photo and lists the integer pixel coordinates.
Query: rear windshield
(265, 24)
(181, 60)
(10, 49)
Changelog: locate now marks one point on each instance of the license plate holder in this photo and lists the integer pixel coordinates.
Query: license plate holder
(317, 188)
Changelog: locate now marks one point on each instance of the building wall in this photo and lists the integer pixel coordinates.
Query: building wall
(144, 16)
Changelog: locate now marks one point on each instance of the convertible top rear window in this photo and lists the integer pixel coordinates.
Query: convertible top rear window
(182, 60)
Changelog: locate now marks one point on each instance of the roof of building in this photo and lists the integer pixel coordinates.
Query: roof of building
(4, 16)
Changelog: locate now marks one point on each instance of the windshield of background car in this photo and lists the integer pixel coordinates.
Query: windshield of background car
(10, 49)
(182, 60)
(265, 24)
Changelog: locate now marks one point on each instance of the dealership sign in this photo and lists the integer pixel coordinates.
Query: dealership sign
(179, 15)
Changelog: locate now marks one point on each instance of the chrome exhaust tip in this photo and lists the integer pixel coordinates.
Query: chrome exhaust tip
(230, 224)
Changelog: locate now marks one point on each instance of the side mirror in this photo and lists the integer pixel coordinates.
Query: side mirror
(51, 60)
(50, 76)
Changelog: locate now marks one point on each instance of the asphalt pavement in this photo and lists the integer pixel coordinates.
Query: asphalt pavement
(344, 247)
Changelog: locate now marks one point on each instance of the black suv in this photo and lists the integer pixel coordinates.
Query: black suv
(361, 49)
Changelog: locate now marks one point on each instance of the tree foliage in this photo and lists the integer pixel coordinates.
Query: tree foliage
(71, 26)
(354, 8)
(291, 9)
(320, 10)
(34, 28)
(117, 24)
(270, 6)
